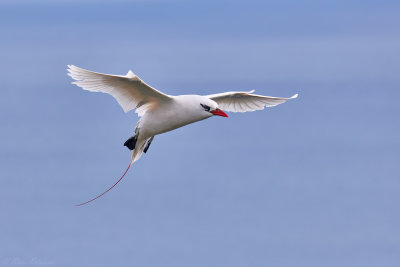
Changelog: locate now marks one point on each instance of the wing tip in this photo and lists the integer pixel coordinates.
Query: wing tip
(71, 67)
(294, 96)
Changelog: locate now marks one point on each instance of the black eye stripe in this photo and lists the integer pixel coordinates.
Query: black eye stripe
(207, 108)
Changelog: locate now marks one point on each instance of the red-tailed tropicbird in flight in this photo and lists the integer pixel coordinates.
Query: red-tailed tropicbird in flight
(161, 113)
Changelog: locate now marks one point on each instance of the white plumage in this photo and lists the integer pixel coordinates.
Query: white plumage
(129, 90)
(161, 113)
(246, 101)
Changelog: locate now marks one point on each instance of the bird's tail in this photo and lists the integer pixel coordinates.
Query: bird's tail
(136, 153)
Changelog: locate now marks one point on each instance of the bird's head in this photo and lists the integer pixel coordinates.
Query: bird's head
(212, 107)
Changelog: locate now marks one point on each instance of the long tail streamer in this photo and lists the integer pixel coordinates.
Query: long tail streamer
(130, 164)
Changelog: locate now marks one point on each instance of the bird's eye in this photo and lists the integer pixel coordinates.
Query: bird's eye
(207, 108)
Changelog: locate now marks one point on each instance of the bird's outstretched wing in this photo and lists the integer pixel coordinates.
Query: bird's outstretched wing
(246, 101)
(129, 90)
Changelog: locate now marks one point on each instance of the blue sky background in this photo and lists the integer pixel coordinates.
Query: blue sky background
(312, 182)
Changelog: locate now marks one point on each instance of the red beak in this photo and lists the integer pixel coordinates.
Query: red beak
(219, 112)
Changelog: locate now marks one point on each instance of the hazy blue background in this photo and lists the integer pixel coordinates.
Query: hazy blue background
(312, 182)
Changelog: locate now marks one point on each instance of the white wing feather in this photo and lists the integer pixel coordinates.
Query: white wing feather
(129, 91)
(246, 101)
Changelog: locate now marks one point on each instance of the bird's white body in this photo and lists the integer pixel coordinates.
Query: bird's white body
(179, 111)
(161, 113)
